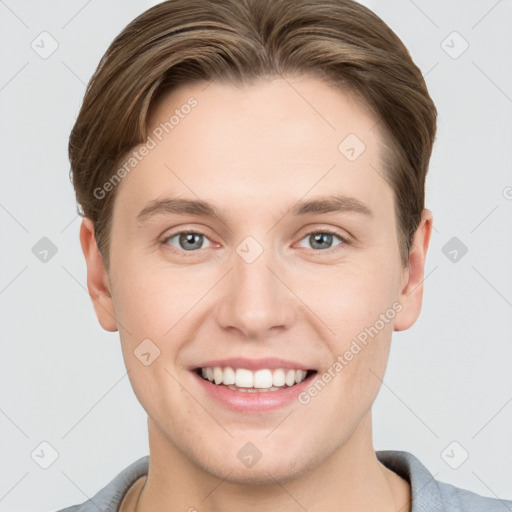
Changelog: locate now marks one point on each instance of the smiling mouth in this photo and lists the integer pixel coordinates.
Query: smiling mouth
(264, 380)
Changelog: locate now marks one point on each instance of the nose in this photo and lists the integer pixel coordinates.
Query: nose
(256, 300)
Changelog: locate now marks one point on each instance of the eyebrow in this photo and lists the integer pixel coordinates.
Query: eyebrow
(327, 204)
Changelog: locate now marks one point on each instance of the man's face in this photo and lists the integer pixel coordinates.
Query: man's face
(266, 286)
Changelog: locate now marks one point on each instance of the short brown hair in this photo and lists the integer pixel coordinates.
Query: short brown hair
(182, 41)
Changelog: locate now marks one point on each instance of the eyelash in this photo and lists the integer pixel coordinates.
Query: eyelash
(344, 240)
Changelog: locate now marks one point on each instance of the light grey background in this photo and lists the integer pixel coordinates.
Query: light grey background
(63, 379)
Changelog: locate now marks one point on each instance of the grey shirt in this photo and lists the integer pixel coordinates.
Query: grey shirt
(428, 494)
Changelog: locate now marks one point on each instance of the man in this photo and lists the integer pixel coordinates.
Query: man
(251, 176)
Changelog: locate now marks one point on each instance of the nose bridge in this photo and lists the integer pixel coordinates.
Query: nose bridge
(254, 299)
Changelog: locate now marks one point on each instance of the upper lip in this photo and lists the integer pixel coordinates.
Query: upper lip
(270, 363)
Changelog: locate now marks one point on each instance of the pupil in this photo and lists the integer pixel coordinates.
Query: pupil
(193, 239)
(322, 238)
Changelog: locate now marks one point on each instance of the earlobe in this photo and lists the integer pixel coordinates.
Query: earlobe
(412, 291)
(98, 282)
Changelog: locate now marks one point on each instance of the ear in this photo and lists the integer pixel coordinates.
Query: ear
(98, 282)
(412, 282)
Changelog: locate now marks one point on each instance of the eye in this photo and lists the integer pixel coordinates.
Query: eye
(322, 240)
(187, 240)
(193, 241)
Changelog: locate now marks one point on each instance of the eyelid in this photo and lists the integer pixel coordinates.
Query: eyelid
(330, 231)
(182, 231)
(319, 228)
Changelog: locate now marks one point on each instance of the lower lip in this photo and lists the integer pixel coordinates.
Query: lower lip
(255, 402)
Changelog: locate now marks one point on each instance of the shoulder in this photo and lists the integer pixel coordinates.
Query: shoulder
(110, 497)
(429, 494)
(456, 499)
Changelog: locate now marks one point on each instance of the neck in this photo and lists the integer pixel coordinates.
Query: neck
(350, 479)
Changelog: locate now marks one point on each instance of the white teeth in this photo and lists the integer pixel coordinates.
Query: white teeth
(260, 380)
(278, 377)
(263, 379)
(217, 375)
(300, 375)
(290, 378)
(244, 378)
(229, 376)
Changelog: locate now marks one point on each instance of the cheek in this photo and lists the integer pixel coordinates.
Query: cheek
(347, 387)
(159, 310)
(359, 307)
(152, 307)
(351, 298)
(152, 302)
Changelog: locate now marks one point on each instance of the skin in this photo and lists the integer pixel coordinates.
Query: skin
(253, 152)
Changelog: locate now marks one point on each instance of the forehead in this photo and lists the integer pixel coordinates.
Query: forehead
(269, 139)
(275, 114)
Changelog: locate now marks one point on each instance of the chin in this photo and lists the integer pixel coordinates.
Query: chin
(242, 463)
(261, 474)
